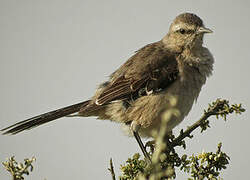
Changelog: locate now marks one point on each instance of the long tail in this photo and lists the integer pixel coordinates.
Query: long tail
(43, 118)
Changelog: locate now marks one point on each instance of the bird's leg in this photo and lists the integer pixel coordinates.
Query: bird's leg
(143, 148)
(135, 128)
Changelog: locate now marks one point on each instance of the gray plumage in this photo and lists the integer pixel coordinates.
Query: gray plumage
(137, 94)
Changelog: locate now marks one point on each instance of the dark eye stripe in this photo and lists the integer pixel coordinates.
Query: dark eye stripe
(184, 31)
(190, 31)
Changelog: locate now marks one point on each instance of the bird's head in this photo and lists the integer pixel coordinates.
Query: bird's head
(186, 31)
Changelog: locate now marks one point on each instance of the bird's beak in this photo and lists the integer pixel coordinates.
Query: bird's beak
(203, 30)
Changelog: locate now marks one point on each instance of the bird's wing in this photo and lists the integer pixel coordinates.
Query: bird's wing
(150, 70)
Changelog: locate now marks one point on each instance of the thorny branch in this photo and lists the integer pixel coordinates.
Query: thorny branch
(165, 159)
(218, 108)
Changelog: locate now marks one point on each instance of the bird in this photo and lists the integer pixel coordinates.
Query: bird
(138, 93)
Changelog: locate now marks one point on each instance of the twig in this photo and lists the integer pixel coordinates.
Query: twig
(190, 129)
(219, 108)
(111, 169)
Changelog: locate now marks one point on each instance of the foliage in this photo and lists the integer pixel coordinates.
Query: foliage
(204, 165)
(165, 159)
(133, 166)
(17, 170)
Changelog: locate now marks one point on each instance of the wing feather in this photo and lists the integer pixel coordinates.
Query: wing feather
(151, 68)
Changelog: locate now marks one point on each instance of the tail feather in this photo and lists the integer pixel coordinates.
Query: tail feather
(43, 118)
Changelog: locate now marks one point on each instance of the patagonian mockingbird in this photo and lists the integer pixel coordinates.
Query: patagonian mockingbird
(137, 93)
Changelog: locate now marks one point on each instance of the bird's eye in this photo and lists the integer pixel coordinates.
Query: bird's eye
(182, 31)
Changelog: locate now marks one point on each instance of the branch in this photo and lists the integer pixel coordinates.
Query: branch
(111, 169)
(164, 157)
(218, 108)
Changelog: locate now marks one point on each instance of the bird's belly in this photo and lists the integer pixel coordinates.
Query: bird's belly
(148, 111)
(154, 114)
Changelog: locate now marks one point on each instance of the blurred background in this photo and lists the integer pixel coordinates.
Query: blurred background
(54, 53)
